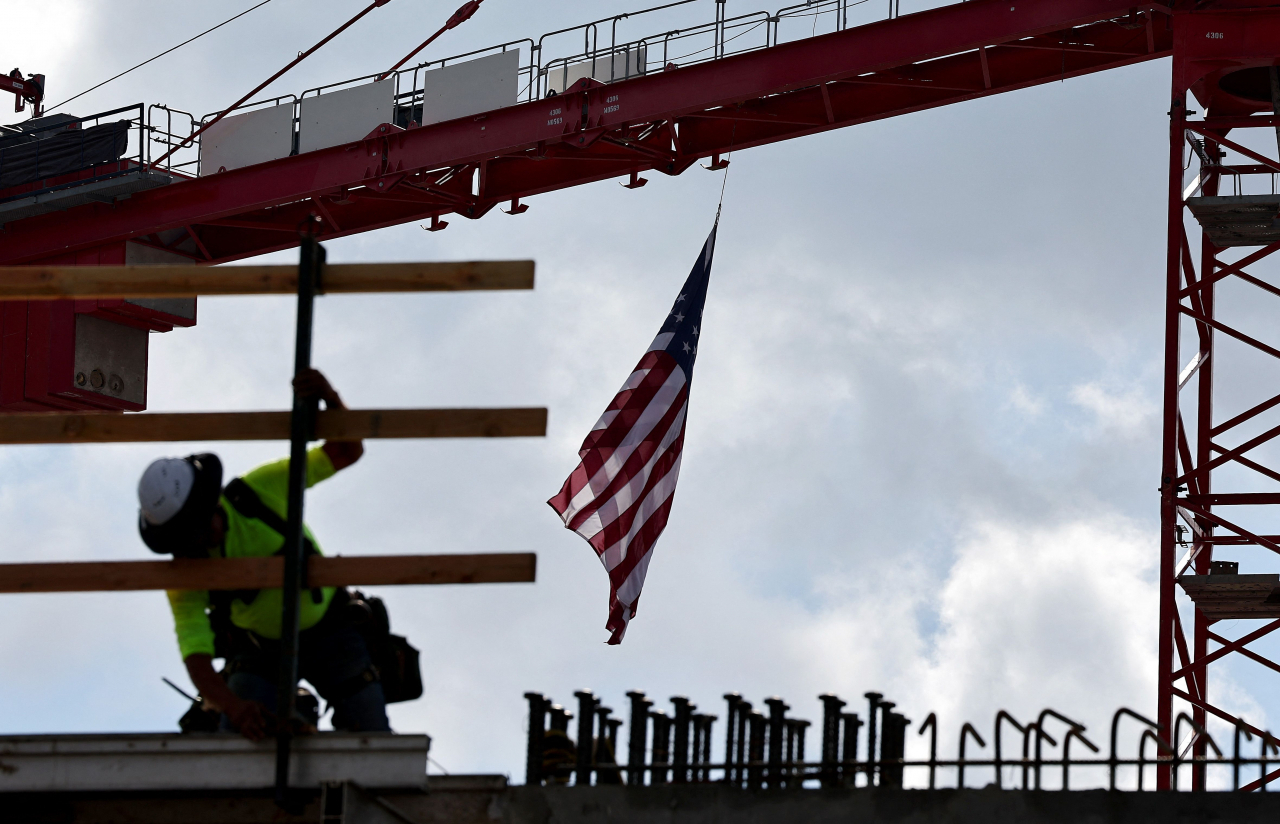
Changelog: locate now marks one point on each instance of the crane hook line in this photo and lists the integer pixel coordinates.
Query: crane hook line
(158, 56)
(303, 56)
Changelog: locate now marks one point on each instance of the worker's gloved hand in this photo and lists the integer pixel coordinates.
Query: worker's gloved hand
(312, 384)
(250, 718)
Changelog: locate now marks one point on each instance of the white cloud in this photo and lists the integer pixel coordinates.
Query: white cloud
(1127, 409)
(1027, 403)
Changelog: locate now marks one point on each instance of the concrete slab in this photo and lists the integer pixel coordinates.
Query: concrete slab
(172, 761)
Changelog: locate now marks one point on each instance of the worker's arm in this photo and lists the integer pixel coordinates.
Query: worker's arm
(249, 717)
(312, 384)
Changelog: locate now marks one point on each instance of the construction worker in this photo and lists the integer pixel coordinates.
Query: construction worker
(185, 511)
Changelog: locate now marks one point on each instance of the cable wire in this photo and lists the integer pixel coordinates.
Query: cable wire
(158, 56)
(273, 78)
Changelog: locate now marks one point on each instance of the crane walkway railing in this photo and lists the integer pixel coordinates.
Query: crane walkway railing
(679, 35)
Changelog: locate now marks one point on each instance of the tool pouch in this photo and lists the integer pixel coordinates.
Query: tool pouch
(394, 658)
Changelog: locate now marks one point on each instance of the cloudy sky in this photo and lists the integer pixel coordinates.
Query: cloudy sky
(922, 451)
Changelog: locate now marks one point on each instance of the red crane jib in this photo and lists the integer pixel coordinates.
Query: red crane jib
(972, 49)
(663, 121)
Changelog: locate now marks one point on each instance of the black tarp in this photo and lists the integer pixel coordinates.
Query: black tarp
(28, 157)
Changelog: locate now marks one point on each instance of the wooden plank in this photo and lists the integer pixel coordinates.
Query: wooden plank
(187, 280)
(263, 573)
(339, 424)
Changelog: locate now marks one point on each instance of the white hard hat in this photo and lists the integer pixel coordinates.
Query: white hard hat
(164, 488)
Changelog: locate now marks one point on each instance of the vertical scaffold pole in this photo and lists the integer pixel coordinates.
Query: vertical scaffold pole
(301, 430)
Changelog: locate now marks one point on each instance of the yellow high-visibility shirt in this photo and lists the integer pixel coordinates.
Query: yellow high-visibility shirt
(251, 538)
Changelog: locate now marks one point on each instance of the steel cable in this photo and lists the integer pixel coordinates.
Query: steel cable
(158, 56)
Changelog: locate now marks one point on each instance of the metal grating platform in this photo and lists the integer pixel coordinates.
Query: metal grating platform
(1242, 220)
(107, 190)
(172, 761)
(1221, 597)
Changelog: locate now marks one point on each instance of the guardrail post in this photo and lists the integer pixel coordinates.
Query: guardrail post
(612, 736)
(558, 750)
(849, 750)
(732, 756)
(892, 748)
(661, 747)
(755, 749)
(638, 740)
(873, 704)
(831, 706)
(742, 752)
(680, 750)
(538, 706)
(777, 730)
(605, 755)
(797, 752)
(708, 723)
(586, 727)
(695, 758)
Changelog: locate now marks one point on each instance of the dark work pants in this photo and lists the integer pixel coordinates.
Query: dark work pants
(331, 656)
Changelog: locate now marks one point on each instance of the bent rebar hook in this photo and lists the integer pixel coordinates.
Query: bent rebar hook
(1004, 716)
(966, 730)
(931, 724)
(1147, 734)
(1074, 732)
(1197, 733)
(1115, 725)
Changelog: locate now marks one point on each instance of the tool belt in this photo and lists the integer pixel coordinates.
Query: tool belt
(394, 662)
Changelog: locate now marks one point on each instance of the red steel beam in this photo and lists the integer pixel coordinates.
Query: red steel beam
(931, 59)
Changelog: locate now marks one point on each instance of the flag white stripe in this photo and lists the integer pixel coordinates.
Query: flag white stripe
(624, 497)
(648, 419)
(630, 589)
(605, 420)
(661, 341)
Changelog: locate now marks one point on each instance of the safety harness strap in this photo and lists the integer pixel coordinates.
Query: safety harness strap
(245, 501)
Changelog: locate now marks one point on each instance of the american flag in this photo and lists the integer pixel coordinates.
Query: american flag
(620, 494)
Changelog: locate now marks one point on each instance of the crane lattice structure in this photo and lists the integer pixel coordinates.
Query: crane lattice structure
(610, 107)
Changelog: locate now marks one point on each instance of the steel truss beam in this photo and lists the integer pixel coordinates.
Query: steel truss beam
(1197, 446)
(664, 122)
